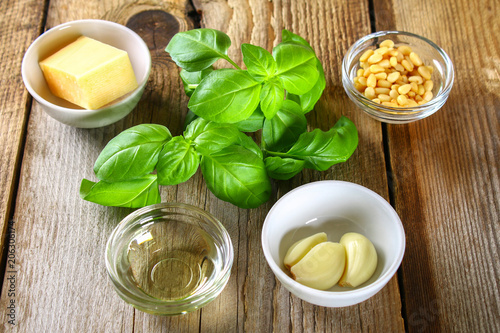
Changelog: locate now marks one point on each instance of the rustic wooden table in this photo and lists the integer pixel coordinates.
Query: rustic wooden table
(441, 174)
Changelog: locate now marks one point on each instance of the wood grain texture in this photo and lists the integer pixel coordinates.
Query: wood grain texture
(62, 284)
(447, 166)
(338, 24)
(20, 24)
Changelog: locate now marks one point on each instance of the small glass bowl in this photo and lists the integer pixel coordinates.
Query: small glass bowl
(430, 53)
(169, 258)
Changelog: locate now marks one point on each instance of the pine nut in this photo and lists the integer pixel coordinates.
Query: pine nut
(416, 78)
(402, 100)
(404, 89)
(404, 49)
(393, 93)
(382, 50)
(359, 87)
(360, 72)
(376, 100)
(422, 70)
(362, 80)
(366, 55)
(384, 98)
(407, 65)
(381, 76)
(400, 56)
(421, 90)
(387, 43)
(374, 58)
(428, 85)
(385, 63)
(371, 81)
(415, 59)
(376, 69)
(399, 68)
(385, 91)
(370, 93)
(384, 84)
(428, 96)
(393, 61)
(393, 77)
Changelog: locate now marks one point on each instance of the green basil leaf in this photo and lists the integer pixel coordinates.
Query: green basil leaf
(190, 117)
(260, 63)
(252, 123)
(178, 161)
(284, 129)
(197, 49)
(132, 153)
(226, 96)
(310, 98)
(271, 98)
(296, 67)
(190, 80)
(135, 193)
(210, 137)
(236, 176)
(320, 150)
(283, 168)
(247, 142)
(288, 36)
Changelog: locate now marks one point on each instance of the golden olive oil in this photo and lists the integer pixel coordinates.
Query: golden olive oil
(172, 260)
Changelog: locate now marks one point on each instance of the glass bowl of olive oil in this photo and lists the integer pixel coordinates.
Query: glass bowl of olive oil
(169, 258)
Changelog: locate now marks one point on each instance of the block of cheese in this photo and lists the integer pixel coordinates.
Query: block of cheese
(89, 73)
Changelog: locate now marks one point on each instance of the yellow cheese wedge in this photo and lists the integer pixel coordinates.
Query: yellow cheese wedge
(89, 73)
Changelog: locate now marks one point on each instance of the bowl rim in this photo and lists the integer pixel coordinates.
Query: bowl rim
(54, 30)
(170, 307)
(394, 112)
(342, 295)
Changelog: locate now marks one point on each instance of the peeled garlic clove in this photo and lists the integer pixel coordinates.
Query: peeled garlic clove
(361, 259)
(322, 267)
(299, 249)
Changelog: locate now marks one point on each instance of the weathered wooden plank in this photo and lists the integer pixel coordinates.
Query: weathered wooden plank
(61, 282)
(330, 27)
(20, 24)
(447, 167)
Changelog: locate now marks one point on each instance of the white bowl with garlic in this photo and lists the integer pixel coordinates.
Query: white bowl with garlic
(333, 243)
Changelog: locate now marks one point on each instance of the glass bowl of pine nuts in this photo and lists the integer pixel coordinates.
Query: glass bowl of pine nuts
(397, 77)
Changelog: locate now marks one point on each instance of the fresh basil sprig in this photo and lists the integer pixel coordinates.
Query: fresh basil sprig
(232, 95)
(272, 94)
(231, 163)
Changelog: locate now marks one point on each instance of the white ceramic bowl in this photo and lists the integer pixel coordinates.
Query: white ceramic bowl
(107, 32)
(334, 207)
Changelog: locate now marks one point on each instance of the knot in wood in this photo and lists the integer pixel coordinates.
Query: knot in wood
(156, 27)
